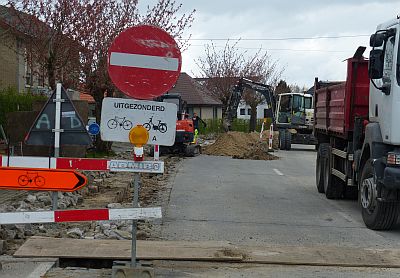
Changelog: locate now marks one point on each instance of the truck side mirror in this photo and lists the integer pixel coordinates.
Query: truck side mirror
(376, 40)
(375, 66)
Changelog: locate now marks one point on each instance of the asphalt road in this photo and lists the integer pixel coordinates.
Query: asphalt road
(267, 202)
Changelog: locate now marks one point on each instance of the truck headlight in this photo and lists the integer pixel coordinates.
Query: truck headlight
(393, 159)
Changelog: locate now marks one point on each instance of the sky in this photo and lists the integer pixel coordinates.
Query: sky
(302, 59)
(257, 21)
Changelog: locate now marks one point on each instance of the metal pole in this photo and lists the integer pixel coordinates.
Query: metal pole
(136, 181)
(57, 136)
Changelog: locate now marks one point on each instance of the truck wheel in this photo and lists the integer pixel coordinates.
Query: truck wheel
(376, 215)
(333, 186)
(319, 167)
(282, 140)
(288, 140)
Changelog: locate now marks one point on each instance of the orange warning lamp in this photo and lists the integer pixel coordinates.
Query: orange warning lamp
(138, 136)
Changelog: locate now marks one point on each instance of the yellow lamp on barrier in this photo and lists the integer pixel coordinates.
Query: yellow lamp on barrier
(138, 136)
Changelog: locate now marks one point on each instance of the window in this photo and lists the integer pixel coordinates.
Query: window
(388, 61)
(249, 111)
(28, 77)
(307, 102)
(267, 113)
(242, 111)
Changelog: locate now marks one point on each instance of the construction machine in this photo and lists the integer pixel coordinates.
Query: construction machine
(292, 114)
(295, 119)
(236, 95)
(185, 141)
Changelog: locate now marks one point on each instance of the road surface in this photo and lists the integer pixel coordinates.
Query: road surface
(267, 202)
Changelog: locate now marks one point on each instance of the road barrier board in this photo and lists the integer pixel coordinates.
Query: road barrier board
(83, 164)
(41, 179)
(78, 215)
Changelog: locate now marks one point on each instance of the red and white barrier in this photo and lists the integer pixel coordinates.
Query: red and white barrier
(271, 136)
(27, 217)
(82, 164)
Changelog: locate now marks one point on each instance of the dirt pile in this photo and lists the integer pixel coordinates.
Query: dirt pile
(241, 145)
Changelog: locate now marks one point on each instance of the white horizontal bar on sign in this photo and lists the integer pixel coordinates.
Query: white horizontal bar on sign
(26, 217)
(144, 61)
(135, 213)
(156, 167)
(27, 161)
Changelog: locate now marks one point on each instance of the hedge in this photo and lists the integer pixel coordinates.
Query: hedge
(11, 100)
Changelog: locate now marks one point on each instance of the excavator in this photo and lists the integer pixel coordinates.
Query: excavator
(292, 113)
(185, 139)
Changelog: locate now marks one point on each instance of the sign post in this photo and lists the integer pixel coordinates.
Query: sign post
(144, 62)
(57, 131)
(136, 188)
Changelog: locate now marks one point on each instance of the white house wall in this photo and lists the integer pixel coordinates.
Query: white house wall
(260, 111)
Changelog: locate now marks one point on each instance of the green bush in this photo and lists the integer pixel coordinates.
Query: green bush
(11, 100)
(242, 125)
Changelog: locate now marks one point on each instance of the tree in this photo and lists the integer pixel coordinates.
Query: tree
(294, 88)
(282, 88)
(91, 26)
(223, 68)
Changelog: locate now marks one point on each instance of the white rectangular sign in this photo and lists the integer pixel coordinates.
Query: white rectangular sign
(136, 166)
(119, 116)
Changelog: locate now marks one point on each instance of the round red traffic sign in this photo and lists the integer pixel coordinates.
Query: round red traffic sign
(144, 62)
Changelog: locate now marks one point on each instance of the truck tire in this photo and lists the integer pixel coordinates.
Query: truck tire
(376, 215)
(333, 186)
(282, 139)
(288, 140)
(319, 166)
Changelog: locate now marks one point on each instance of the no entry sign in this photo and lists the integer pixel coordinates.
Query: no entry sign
(144, 62)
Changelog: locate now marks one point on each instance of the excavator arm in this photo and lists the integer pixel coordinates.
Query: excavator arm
(236, 95)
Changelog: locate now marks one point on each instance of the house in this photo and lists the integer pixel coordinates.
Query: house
(197, 98)
(20, 65)
(91, 103)
(12, 54)
(244, 111)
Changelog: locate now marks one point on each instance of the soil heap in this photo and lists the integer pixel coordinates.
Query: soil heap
(240, 145)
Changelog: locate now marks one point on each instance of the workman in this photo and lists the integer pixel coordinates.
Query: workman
(196, 120)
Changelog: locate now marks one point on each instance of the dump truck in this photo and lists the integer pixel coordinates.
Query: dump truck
(356, 123)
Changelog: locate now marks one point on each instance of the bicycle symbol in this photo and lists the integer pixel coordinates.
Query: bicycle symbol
(161, 127)
(121, 122)
(31, 177)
